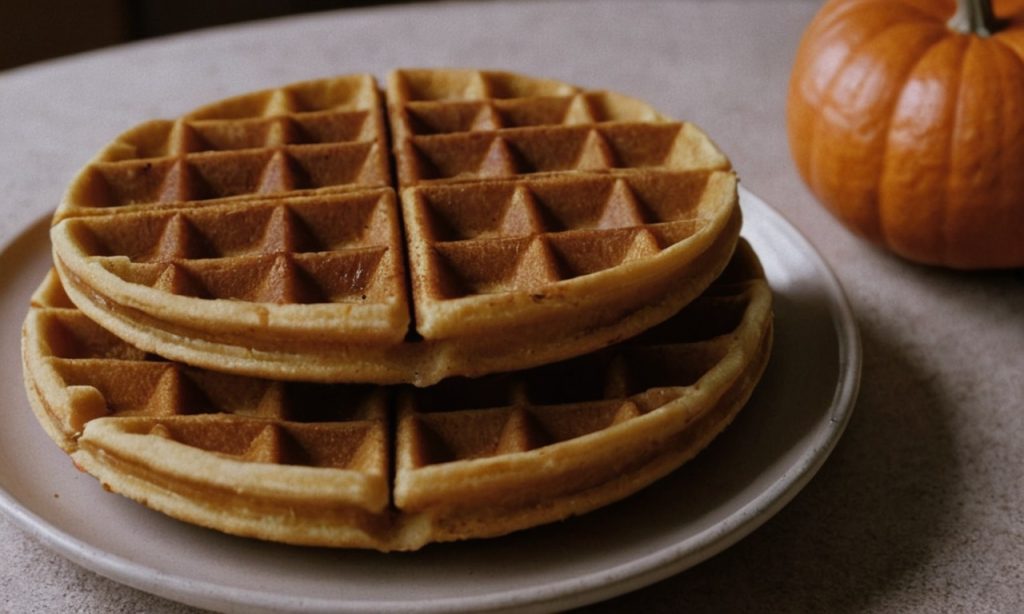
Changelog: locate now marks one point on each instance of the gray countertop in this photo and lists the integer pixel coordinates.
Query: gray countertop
(920, 507)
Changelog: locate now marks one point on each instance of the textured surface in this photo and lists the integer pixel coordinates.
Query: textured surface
(258, 234)
(310, 463)
(918, 509)
(313, 135)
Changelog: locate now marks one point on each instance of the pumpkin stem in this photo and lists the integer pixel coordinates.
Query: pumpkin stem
(974, 17)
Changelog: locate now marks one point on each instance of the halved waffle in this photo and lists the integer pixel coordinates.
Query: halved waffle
(264, 235)
(394, 468)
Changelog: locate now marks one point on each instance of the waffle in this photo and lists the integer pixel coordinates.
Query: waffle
(526, 221)
(396, 467)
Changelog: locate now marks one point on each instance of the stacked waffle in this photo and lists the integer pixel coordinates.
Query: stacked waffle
(253, 326)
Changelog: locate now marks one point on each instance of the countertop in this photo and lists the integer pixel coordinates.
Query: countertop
(920, 508)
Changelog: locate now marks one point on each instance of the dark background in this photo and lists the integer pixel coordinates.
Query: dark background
(34, 30)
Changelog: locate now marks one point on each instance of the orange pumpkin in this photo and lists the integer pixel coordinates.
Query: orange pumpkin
(908, 124)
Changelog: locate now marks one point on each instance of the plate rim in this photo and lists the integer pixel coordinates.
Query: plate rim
(578, 590)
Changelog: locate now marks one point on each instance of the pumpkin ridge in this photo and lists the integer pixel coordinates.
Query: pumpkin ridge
(1002, 69)
(832, 17)
(1011, 39)
(890, 235)
(947, 232)
(872, 227)
(813, 173)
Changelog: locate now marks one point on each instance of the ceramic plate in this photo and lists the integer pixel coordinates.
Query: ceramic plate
(775, 446)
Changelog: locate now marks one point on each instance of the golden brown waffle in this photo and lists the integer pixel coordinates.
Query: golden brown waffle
(313, 463)
(262, 235)
(465, 124)
(307, 137)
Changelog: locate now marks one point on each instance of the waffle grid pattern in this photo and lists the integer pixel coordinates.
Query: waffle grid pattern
(458, 419)
(313, 249)
(413, 465)
(479, 124)
(262, 220)
(556, 403)
(252, 419)
(315, 135)
(526, 234)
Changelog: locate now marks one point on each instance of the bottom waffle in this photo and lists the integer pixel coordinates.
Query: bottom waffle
(395, 468)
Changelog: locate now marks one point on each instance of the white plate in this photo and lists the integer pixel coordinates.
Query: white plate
(772, 450)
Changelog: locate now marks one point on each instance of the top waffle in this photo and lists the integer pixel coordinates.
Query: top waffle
(529, 221)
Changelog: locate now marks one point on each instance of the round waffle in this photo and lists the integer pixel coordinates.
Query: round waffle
(526, 221)
(394, 468)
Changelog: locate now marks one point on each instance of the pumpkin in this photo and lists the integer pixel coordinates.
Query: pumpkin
(906, 120)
